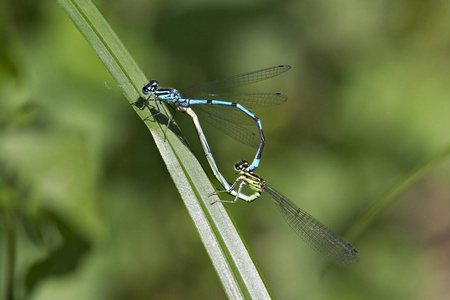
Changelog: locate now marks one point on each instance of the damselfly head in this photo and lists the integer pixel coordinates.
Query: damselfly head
(150, 87)
(241, 165)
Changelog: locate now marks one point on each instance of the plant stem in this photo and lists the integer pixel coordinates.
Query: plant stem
(380, 205)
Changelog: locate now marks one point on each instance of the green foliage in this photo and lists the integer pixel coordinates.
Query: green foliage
(88, 210)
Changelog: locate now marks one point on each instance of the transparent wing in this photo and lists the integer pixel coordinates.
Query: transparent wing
(229, 114)
(241, 134)
(248, 100)
(318, 236)
(238, 80)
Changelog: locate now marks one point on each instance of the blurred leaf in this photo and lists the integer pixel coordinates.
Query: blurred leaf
(62, 259)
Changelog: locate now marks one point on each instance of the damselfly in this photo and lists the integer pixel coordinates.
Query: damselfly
(318, 236)
(226, 111)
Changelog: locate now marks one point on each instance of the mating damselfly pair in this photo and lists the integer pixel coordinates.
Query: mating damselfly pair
(230, 118)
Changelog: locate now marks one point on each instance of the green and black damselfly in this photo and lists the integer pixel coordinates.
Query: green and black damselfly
(319, 237)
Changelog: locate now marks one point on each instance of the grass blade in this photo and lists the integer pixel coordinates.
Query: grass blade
(228, 254)
(371, 214)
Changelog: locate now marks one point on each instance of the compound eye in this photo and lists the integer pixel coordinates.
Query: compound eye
(146, 89)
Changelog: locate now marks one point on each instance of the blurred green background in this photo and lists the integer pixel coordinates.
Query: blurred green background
(94, 214)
